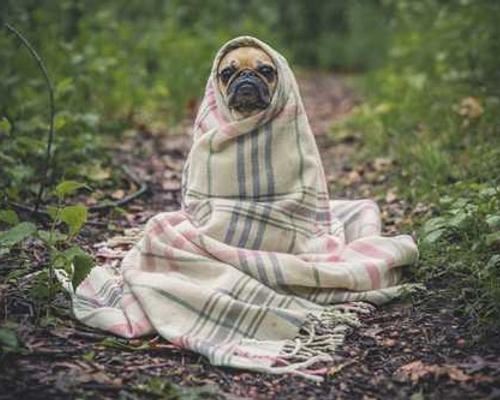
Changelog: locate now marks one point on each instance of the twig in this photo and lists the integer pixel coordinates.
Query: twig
(89, 335)
(127, 199)
(50, 139)
(147, 366)
(99, 207)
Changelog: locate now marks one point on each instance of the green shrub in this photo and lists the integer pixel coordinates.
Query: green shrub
(433, 107)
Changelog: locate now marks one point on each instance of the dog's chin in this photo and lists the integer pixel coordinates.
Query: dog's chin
(247, 105)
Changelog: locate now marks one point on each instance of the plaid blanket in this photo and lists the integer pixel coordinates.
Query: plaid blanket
(259, 269)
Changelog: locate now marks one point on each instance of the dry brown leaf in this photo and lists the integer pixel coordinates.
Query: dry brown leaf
(171, 185)
(454, 373)
(414, 370)
(353, 177)
(417, 370)
(391, 196)
(90, 201)
(175, 164)
(470, 107)
(336, 369)
(382, 164)
(118, 194)
(389, 342)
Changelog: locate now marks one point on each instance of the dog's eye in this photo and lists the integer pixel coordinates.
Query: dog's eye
(267, 71)
(226, 74)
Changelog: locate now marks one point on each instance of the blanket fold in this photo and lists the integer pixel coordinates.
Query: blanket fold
(259, 269)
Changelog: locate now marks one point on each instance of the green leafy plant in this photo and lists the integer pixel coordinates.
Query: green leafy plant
(64, 255)
(73, 259)
(9, 342)
(432, 108)
(463, 243)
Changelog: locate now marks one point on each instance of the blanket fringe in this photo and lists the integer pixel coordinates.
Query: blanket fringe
(319, 338)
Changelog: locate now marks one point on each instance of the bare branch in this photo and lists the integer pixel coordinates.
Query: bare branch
(50, 136)
(143, 188)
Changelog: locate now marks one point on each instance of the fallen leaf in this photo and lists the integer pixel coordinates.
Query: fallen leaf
(97, 173)
(416, 370)
(175, 164)
(336, 369)
(389, 342)
(118, 194)
(391, 196)
(171, 185)
(353, 177)
(382, 164)
(470, 107)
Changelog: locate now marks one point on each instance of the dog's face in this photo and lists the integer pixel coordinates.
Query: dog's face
(247, 78)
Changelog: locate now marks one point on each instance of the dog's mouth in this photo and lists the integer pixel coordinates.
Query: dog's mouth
(248, 92)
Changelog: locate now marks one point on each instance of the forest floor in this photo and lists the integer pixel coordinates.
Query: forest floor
(409, 349)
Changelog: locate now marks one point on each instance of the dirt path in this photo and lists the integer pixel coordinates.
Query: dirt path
(408, 349)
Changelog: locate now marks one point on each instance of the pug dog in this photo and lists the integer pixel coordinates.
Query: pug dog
(247, 79)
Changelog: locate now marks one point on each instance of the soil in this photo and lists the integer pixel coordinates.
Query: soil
(418, 348)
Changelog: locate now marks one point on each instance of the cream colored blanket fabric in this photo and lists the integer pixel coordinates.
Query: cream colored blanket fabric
(259, 269)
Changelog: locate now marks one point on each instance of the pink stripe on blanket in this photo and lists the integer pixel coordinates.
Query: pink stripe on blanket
(127, 300)
(370, 250)
(86, 289)
(181, 242)
(374, 274)
(210, 91)
(147, 263)
(288, 113)
(176, 218)
(192, 235)
(181, 342)
(332, 244)
(131, 329)
(237, 351)
(215, 112)
(334, 258)
(203, 126)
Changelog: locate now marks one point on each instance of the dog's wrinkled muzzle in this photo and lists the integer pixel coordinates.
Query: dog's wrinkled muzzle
(248, 92)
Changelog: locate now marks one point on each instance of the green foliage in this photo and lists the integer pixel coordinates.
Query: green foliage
(68, 187)
(9, 217)
(82, 264)
(463, 243)
(8, 340)
(145, 62)
(73, 261)
(17, 234)
(435, 102)
(433, 108)
(74, 217)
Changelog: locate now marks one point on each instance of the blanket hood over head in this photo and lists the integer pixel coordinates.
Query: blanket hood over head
(259, 269)
(258, 182)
